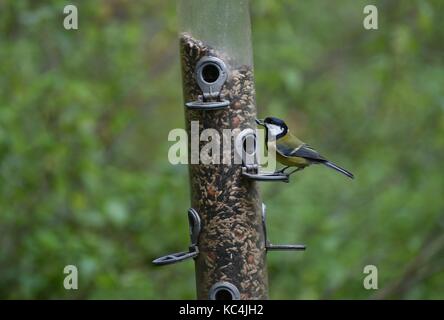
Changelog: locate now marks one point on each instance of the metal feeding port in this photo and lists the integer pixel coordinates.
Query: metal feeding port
(193, 251)
(224, 291)
(277, 247)
(246, 148)
(211, 75)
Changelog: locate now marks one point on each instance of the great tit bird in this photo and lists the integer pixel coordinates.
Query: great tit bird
(290, 151)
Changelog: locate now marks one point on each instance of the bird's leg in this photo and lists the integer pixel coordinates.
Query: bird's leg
(297, 169)
(283, 169)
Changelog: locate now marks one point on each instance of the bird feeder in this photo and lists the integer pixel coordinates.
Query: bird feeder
(227, 216)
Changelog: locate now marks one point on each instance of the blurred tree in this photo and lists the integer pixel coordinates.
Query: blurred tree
(84, 176)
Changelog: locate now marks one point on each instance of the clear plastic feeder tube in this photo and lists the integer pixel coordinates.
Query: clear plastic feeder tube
(217, 73)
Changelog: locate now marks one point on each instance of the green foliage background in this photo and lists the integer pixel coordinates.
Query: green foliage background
(84, 175)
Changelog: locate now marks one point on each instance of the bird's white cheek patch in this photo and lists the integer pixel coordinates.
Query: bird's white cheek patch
(274, 130)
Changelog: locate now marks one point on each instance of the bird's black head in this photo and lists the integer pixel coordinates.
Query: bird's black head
(275, 127)
(275, 121)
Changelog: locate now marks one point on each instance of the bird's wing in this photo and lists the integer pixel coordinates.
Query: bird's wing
(303, 151)
(307, 152)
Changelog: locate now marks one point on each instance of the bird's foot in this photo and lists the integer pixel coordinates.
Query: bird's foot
(295, 170)
(282, 170)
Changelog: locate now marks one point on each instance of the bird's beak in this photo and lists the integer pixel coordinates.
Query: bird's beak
(260, 122)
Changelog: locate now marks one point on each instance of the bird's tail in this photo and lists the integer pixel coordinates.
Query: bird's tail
(338, 168)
